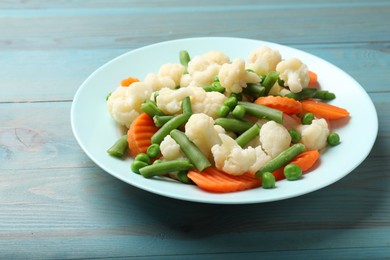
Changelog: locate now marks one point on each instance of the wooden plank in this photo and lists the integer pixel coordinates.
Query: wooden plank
(83, 212)
(42, 75)
(124, 28)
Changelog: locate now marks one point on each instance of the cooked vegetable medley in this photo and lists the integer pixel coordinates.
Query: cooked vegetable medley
(225, 125)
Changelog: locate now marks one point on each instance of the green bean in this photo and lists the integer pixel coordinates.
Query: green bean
(239, 112)
(150, 108)
(215, 86)
(153, 150)
(186, 106)
(159, 121)
(307, 118)
(223, 111)
(254, 90)
(184, 58)
(233, 125)
(333, 139)
(108, 96)
(165, 167)
(282, 159)
(269, 81)
(193, 153)
(182, 177)
(304, 94)
(136, 166)
(231, 102)
(324, 95)
(119, 148)
(292, 172)
(143, 157)
(174, 123)
(248, 135)
(268, 180)
(261, 111)
(238, 96)
(295, 136)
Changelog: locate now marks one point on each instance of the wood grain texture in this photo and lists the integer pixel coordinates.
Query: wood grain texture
(55, 203)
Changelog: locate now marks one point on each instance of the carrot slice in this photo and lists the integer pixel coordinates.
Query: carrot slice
(139, 134)
(305, 161)
(213, 180)
(127, 82)
(287, 105)
(313, 78)
(325, 110)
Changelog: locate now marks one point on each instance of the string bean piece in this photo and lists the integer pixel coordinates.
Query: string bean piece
(254, 90)
(136, 166)
(174, 123)
(186, 106)
(234, 125)
(231, 102)
(143, 157)
(150, 108)
(269, 81)
(215, 86)
(165, 167)
(184, 58)
(304, 94)
(159, 121)
(197, 158)
(282, 159)
(324, 95)
(248, 135)
(261, 111)
(119, 148)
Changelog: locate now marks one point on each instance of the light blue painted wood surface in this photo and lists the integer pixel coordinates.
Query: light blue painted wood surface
(55, 203)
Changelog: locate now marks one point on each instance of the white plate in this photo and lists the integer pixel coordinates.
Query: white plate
(96, 131)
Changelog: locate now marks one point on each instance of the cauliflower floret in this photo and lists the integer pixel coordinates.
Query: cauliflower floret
(274, 138)
(157, 83)
(217, 57)
(169, 101)
(124, 104)
(263, 60)
(232, 159)
(207, 102)
(185, 80)
(294, 73)
(173, 71)
(233, 76)
(200, 130)
(203, 70)
(314, 135)
(170, 149)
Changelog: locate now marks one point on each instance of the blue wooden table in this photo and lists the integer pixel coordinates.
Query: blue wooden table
(56, 203)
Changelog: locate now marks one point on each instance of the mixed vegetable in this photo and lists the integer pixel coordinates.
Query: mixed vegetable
(225, 125)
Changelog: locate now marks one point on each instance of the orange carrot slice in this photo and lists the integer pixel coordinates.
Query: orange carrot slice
(139, 134)
(287, 105)
(305, 161)
(313, 78)
(214, 180)
(325, 110)
(127, 82)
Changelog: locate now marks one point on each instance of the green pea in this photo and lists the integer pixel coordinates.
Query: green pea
(231, 102)
(292, 172)
(307, 119)
(295, 136)
(236, 95)
(153, 150)
(239, 112)
(268, 180)
(142, 157)
(333, 139)
(223, 111)
(137, 165)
